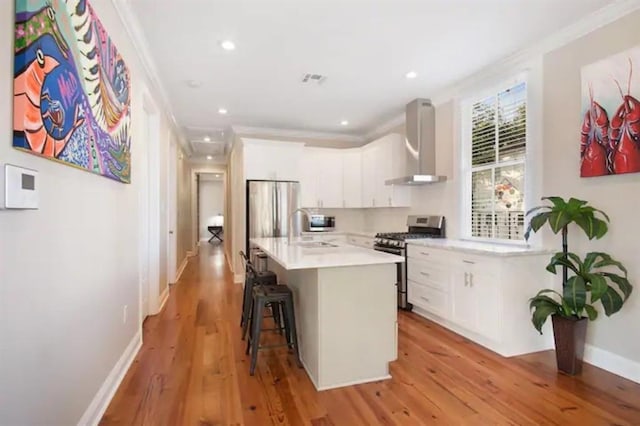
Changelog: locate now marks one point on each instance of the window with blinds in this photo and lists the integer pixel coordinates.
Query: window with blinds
(497, 169)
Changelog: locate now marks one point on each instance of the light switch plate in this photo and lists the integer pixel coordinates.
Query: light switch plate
(20, 187)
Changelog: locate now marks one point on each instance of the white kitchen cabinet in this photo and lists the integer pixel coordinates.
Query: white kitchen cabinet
(352, 178)
(321, 182)
(370, 155)
(382, 160)
(482, 297)
(272, 160)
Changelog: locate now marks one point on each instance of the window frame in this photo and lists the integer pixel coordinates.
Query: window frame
(466, 167)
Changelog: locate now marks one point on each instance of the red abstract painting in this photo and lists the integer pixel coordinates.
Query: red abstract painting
(610, 132)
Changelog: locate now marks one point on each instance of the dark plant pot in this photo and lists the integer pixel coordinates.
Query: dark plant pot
(569, 334)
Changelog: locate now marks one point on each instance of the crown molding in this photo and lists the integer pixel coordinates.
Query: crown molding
(521, 59)
(297, 134)
(132, 27)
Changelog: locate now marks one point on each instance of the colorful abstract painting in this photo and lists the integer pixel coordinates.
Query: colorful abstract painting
(610, 136)
(71, 88)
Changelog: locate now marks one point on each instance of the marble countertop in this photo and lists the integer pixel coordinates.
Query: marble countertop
(300, 256)
(478, 247)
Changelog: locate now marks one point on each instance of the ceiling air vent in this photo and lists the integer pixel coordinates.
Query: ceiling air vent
(309, 78)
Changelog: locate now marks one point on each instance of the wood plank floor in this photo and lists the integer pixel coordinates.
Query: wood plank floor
(192, 370)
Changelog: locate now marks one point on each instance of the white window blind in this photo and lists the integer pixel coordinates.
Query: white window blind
(497, 170)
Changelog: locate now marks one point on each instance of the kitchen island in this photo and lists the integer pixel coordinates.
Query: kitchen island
(345, 305)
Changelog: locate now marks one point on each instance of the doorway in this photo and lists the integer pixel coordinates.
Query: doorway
(211, 208)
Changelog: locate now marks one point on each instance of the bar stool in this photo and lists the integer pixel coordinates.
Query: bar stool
(252, 279)
(278, 297)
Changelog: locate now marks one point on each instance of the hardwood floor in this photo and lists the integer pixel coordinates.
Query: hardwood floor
(192, 370)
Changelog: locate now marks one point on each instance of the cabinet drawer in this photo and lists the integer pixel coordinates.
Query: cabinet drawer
(473, 263)
(428, 298)
(427, 254)
(429, 273)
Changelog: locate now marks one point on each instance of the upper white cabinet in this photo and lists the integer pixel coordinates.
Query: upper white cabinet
(321, 181)
(352, 178)
(383, 159)
(333, 178)
(272, 160)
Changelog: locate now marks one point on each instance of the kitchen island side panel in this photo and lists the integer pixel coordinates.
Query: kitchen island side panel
(357, 317)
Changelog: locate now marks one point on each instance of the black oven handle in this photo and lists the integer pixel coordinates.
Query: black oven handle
(398, 252)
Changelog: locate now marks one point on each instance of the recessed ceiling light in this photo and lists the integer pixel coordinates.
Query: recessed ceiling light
(222, 111)
(209, 157)
(194, 84)
(411, 74)
(228, 45)
(207, 139)
(217, 175)
(344, 122)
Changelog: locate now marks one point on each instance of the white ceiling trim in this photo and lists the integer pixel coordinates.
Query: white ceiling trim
(132, 26)
(288, 133)
(521, 58)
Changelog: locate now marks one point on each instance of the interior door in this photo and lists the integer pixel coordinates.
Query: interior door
(172, 206)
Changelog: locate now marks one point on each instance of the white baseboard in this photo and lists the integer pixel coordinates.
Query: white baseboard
(613, 363)
(103, 397)
(163, 299)
(182, 267)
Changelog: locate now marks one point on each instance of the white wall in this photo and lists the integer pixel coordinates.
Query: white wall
(616, 195)
(68, 268)
(211, 195)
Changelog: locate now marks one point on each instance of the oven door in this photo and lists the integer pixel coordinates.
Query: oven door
(401, 280)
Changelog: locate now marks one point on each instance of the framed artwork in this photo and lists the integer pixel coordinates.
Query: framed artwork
(610, 134)
(71, 88)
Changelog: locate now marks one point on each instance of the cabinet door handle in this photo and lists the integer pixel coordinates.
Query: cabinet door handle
(424, 298)
(424, 253)
(466, 279)
(373, 202)
(469, 262)
(470, 279)
(425, 274)
(389, 200)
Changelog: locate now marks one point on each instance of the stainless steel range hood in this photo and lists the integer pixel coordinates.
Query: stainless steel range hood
(420, 146)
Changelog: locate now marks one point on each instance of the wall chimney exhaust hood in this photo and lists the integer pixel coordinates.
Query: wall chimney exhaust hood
(420, 145)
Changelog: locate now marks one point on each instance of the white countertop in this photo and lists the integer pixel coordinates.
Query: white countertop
(299, 257)
(477, 247)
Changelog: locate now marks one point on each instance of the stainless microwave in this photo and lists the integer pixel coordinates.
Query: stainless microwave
(320, 223)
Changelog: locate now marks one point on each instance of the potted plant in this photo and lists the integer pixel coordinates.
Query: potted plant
(596, 278)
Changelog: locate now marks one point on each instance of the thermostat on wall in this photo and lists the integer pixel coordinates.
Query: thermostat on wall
(20, 188)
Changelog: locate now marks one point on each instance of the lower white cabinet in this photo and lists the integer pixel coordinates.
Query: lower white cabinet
(484, 298)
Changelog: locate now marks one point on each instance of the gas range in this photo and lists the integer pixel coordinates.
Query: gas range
(418, 227)
(398, 239)
(396, 243)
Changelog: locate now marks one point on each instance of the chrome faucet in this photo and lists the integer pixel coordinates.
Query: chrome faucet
(290, 222)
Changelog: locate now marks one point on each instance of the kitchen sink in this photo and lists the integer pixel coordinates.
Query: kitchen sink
(313, 244)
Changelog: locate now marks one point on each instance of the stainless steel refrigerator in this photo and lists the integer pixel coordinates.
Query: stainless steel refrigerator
(269, 205)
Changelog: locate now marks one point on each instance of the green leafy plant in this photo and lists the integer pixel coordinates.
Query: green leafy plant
(596, 275)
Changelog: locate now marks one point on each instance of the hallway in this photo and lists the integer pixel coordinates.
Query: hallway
(192, 370)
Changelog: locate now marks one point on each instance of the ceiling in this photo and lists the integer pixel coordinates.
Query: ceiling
(363, 47)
